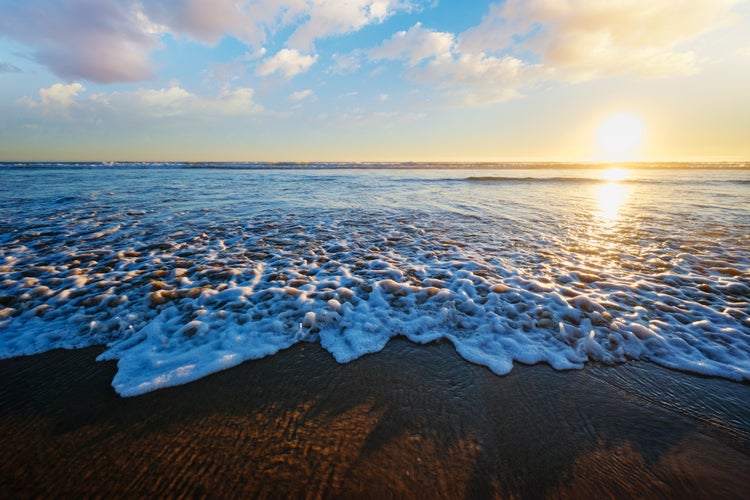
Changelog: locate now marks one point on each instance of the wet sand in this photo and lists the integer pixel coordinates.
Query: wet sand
(410, 421)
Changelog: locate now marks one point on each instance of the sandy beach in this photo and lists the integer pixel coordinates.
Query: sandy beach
(412, 421)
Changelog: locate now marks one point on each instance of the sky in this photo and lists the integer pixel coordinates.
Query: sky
(374, 80)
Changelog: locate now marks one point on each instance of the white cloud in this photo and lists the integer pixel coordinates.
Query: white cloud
(176, 101)
(171, 101)
(300, 95)
(168, 102)
(478, 78)
(521, 43)
(334, 17)
(237, 102)
(468, 77)
(585, 39)
(59, 94)
(363, 118)
(55, 99)
(287, 62)
(346, 63)
(415, 45)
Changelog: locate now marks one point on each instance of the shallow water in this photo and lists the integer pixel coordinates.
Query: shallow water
(181, 272)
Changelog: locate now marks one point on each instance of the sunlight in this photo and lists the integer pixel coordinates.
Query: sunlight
(615, 174)
(619, 137)
(610, 198)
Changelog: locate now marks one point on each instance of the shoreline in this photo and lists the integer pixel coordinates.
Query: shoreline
(411, 420)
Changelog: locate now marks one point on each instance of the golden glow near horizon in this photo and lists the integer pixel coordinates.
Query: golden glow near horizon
(615, 174)
(619, 136)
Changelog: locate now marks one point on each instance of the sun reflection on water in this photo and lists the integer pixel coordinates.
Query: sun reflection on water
(606, 234)
(611, 195)
(615, 174)
(610, 198)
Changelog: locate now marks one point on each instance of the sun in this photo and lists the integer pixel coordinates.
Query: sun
(619, 137)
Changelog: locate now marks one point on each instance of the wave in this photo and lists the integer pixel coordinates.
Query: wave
(501, 179)
(492, 179)
(183, 275)
(174, 304)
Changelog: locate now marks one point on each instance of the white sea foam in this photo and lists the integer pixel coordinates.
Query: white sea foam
(182, 273)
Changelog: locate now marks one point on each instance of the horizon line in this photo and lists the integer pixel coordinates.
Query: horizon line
(391, 164)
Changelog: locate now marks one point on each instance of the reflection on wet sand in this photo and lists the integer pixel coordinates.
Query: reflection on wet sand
(410, 421)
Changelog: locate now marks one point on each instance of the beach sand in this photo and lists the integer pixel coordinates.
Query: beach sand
(410, 421)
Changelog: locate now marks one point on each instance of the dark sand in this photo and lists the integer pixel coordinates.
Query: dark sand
(411, 421)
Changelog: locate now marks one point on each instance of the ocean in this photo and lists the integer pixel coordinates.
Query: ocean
(181, 270)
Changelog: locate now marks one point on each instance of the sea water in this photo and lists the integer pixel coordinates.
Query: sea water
(182, 270)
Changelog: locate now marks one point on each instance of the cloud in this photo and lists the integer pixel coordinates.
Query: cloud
(300, 95)
(415, 45)
(478, 78)
(360, 117)
(326, 18)
(9, 68)
(586, 39)
(162, 102)
(208, 21)
(521, 43)
(237, 102)
(173, 101)
(102, 41)
(109, 41)
(346, 63)
(251, 21)
(60, 95)
(472, 78)
(287, 62)
(176, 101)
(55, 99)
